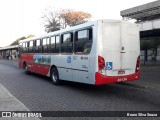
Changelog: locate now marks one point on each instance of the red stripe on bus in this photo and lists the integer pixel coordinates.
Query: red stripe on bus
(101, 79)
(32, 66)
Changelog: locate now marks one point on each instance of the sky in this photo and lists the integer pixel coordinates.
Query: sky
(20, 18)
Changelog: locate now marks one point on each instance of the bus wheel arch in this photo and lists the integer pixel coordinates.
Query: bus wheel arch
(54, 75)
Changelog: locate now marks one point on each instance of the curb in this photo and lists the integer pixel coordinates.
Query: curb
(12, 104)
(9, 103)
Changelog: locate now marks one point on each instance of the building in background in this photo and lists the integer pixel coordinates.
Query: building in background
(9, 52)
(147, 16)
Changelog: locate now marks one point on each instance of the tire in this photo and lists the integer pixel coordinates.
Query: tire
(26, 69)
(55, 76)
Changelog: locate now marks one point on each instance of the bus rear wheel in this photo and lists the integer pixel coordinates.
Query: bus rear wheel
(55, 76)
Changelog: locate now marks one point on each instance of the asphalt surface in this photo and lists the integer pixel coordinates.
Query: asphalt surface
(14, 104)
(149, 80)
(39, 94)
(10, 103)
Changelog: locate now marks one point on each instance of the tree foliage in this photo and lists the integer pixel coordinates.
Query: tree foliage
(21, 38)
(74, 17)
(53, 25)
(17, 40)
(60, 19)
(30, 36)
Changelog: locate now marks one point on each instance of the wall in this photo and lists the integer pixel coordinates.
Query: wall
(149, 25)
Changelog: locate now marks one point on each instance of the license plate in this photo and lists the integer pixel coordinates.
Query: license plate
(121, 72)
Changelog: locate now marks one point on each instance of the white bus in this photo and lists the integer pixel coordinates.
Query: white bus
(98, 52)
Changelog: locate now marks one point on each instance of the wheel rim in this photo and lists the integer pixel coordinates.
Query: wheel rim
(54, 77)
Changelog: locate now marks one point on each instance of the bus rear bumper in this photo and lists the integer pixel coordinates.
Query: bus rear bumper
(101, 79)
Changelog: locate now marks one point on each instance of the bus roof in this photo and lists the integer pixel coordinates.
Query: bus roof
(87, 24)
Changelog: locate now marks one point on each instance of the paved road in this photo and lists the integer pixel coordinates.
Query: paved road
(39, 94)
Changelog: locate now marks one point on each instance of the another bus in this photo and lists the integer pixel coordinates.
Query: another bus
(98, 52)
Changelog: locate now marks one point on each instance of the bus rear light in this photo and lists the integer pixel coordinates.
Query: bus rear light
(138, 64)
(101, 63)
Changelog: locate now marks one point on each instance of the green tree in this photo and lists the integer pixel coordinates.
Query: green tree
(52, 25)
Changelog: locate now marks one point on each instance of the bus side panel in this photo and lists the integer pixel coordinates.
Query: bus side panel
(33, 66)
(81, 68)
(41, 64)
(25, 58)
(20, 63)
(42, 69)
(96, 49)
(64, 65)
(28, 59)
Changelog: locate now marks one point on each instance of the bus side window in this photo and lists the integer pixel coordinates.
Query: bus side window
(27, 48)
(52, 48)
(20, 48)
(30, 48)
(67, 43)
(83, 41)
(48, 45)
(24, 47)
(57, 45)
(37, 46)
(44, 45)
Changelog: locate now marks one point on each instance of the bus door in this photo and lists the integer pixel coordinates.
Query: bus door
(130, 48)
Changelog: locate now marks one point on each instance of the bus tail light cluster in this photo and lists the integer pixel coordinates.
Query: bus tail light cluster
(101, 63)
(138, 64)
